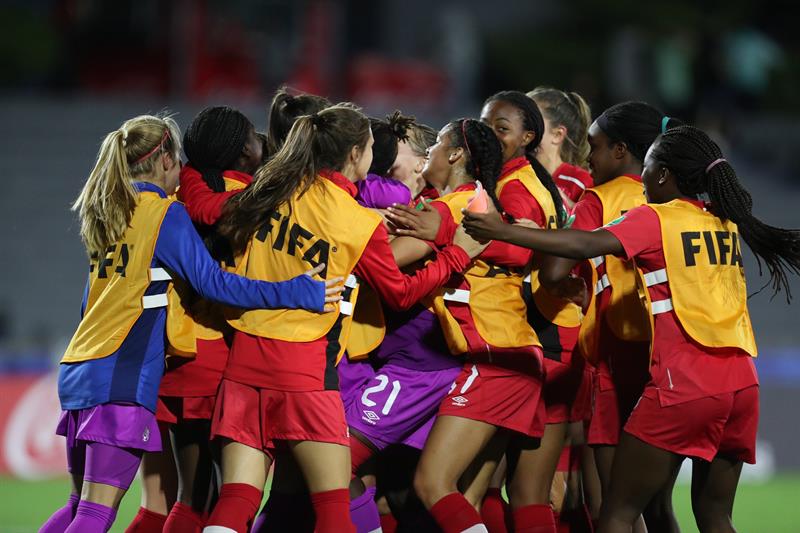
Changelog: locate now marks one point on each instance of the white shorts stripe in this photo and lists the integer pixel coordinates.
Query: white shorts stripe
(597, 261)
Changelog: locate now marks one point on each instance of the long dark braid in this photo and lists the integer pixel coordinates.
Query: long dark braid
(214, 141)
(688, 152)
(483, 152)
(533, 121)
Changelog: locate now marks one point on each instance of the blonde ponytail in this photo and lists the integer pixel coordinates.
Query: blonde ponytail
(106, 203)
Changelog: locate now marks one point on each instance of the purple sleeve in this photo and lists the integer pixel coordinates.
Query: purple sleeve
(181, 250)
(377, 192)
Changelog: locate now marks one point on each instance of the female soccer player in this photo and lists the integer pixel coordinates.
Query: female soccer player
(136, 239)
(223, 149)
(564, 149)
(279, 390)
(525, 190)
(702, 397)
(205, 204)
(614, 333)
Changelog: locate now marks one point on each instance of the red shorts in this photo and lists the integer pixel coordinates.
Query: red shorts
(175, 409)
(724, 424)
(582, 406)
(611, 406)
(498, 396)
(199, 376)
(259, 417)
(561, 384)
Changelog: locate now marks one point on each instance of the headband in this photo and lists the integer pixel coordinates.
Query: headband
(664, 122)
(466, 144)
(715, 163)
(155, 149)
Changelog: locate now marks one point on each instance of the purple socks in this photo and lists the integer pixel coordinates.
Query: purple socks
(60, 520)
(364, 512)
(92, 518)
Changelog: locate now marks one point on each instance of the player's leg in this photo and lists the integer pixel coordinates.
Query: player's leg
(61, 518)
(639, 472)
(195, 466)
(453, 444)
(326, 469)
(159, 487)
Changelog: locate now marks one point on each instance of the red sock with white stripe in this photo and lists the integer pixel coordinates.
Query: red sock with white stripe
(332, 508)
(534, 519)
(235, 509)
(455, 514)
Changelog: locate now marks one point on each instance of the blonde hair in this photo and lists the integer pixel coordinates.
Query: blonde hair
(570, 110)
(106, 203)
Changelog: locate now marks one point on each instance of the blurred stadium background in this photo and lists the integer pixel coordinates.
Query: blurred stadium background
(72, 70)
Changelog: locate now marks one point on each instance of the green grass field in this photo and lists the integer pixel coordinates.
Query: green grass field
(767, 508)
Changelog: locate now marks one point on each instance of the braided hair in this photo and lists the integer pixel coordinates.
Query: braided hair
(285, 109)
(697, 163)
(637, 124)
(214, 141)
(386, 134)
(532, 120)
(483, 152)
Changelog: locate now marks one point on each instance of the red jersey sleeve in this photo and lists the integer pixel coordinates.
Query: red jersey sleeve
(203, 205)
(638, 230)
(448, 227)
(399, 291)
(519, 203)
(588, 213)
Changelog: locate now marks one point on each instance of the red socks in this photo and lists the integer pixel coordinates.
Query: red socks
(184, 519)
(359, 454)
(534, 519)
(494, 510)
(236, 507)
(388, 523)
(454, 514)
(147, 522)
(332, 508)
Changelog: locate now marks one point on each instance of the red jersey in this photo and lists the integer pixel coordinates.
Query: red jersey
(307, 366)
(201, 375)
(516, 201)
(572, 180)
(588, 215)
(681, 369)
(204, 205)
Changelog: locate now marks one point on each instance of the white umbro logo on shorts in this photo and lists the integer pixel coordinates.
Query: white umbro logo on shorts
(146, 435)
(371, 417)
(459, 400)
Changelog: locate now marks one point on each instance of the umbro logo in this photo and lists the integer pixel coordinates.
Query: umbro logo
(370, 417)
(459, 400)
